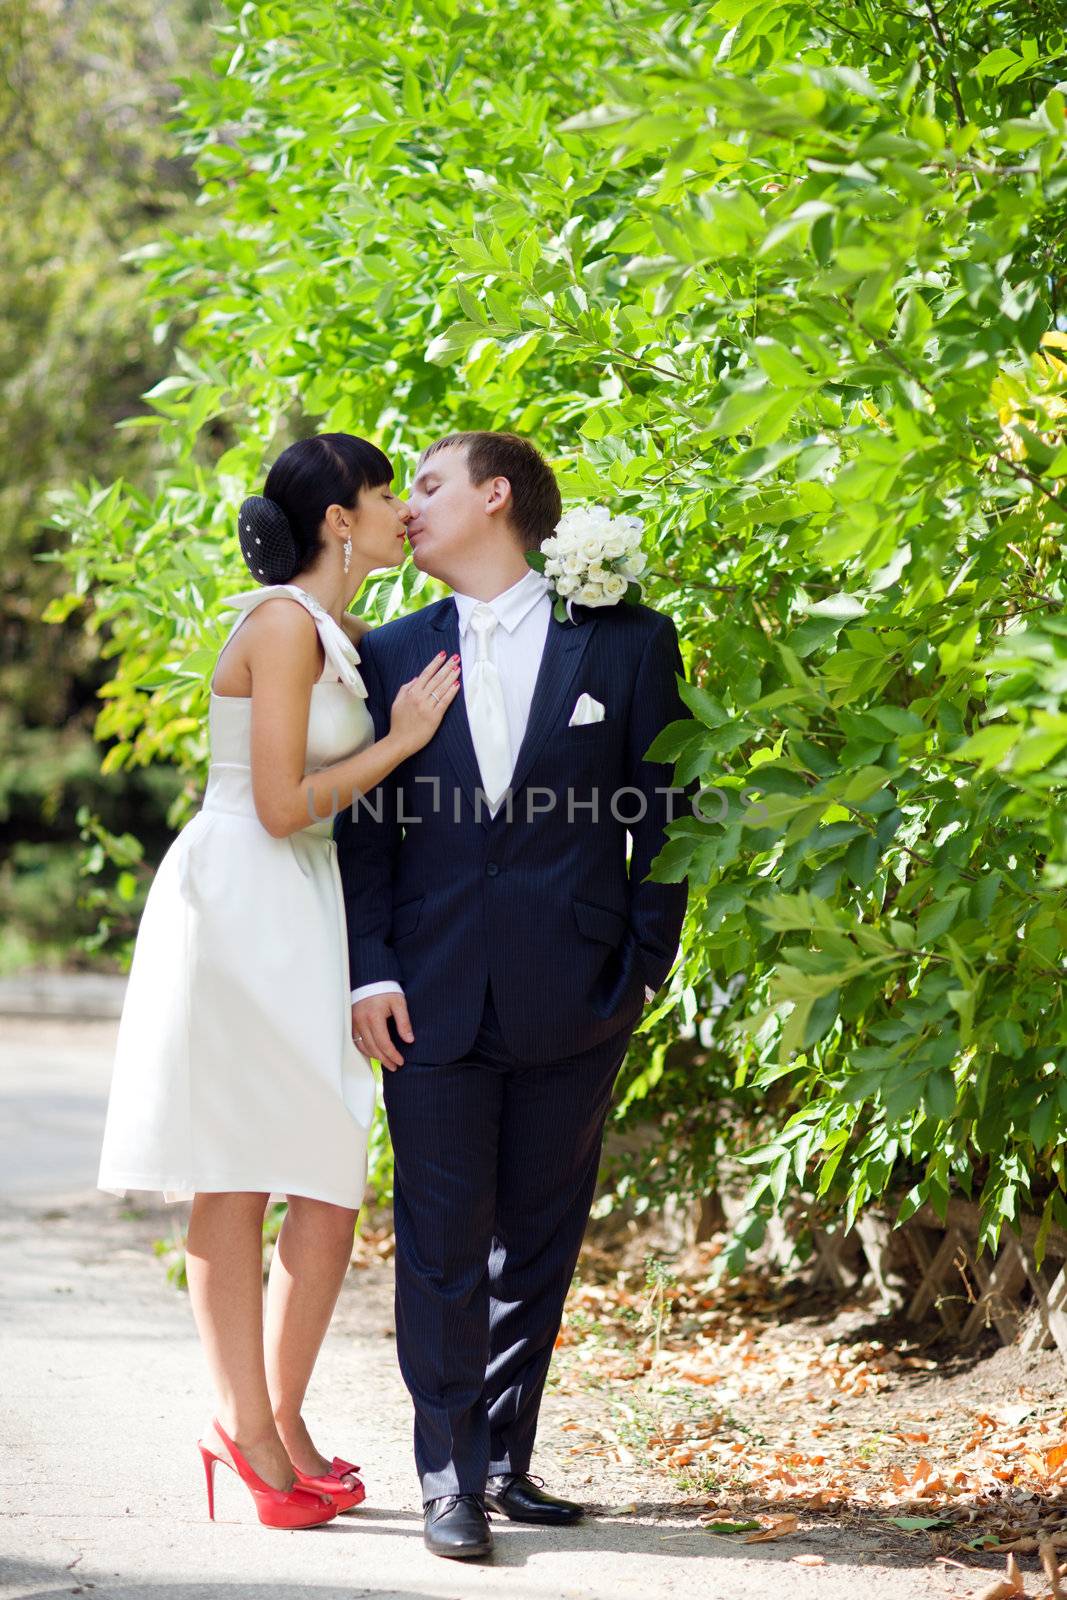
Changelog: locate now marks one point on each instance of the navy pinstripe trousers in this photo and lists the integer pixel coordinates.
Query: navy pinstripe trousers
(496, 1165)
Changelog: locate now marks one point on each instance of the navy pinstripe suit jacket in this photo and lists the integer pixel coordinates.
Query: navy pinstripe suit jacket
(545, 906)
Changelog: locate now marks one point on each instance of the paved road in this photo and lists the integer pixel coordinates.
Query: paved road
(53, 1094)
(102, 1393)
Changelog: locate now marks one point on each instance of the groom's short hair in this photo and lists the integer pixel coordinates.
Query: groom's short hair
(536, 505)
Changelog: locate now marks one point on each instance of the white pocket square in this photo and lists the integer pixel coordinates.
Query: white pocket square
(586, 710)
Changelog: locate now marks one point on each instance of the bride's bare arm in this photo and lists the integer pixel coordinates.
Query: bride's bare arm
(284, 660)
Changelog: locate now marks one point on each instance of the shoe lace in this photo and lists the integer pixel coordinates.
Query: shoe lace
(507, 1479)
(454, 1500)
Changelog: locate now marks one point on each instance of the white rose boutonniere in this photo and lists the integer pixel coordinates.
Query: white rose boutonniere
(591, 559)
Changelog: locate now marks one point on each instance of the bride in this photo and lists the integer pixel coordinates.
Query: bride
(236, 1074)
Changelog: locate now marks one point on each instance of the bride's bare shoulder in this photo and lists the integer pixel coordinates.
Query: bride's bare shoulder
(355, 627)
(282, 630)
(280, 617)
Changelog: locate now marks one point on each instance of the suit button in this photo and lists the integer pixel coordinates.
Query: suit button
(491, 870)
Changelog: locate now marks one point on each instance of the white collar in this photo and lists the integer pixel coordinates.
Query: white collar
(510, 607)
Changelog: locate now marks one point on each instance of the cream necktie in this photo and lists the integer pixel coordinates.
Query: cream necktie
(485, 710)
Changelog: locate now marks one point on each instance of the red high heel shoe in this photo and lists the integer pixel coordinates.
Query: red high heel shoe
(329, 1483)
(297, 1507)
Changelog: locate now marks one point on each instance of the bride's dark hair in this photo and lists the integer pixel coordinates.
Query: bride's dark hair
(279, 529)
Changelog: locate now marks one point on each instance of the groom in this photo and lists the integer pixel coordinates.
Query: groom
(502, 947)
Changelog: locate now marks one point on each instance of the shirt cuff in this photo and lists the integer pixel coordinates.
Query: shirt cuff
(387, 986)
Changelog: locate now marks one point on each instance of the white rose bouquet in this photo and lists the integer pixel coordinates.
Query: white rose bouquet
(591, 559)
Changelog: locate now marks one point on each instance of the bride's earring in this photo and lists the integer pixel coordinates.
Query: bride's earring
(348, 553)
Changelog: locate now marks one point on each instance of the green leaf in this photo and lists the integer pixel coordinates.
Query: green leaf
(675, 740)
(918, 1524)
(995, 62)
(989, 746)
(936, 920)
(782, 367)
(454, 341)
(940, 1094)
(702, 705)
(823, 1015)
(897, 720)
(60, 608)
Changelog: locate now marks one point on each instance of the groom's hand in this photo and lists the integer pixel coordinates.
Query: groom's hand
(370, 1027)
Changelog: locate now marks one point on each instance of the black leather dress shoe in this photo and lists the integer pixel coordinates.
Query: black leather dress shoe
(517, 1497)
(456, 1525)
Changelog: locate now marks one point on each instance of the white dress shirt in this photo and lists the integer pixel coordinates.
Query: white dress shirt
(518, 643)
(523, 613)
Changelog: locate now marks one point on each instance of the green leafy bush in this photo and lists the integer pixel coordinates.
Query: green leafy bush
(787, 283)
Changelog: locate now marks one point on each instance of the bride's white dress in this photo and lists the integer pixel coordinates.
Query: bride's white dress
(235, 1067)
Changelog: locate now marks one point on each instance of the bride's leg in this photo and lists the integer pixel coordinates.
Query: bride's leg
(224, 1263)
(310, 1261)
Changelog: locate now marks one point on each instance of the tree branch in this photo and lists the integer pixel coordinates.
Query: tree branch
(961, 115)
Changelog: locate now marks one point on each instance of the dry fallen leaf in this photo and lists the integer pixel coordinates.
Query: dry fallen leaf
(780, 1528)
(1008, 1587)
(809, 1561)
(1052, 1569)
(1012, 1415)
(821, 1499)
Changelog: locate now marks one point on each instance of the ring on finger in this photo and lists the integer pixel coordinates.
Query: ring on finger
(433, 697)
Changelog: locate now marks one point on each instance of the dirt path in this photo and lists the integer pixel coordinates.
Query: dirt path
(103, 1392)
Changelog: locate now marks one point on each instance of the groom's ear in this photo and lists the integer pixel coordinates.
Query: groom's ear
(498, 497)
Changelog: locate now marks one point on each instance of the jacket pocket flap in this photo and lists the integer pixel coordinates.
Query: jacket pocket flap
(406, 917)
(597, 922)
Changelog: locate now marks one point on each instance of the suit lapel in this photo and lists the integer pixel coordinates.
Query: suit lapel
(565, 645)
